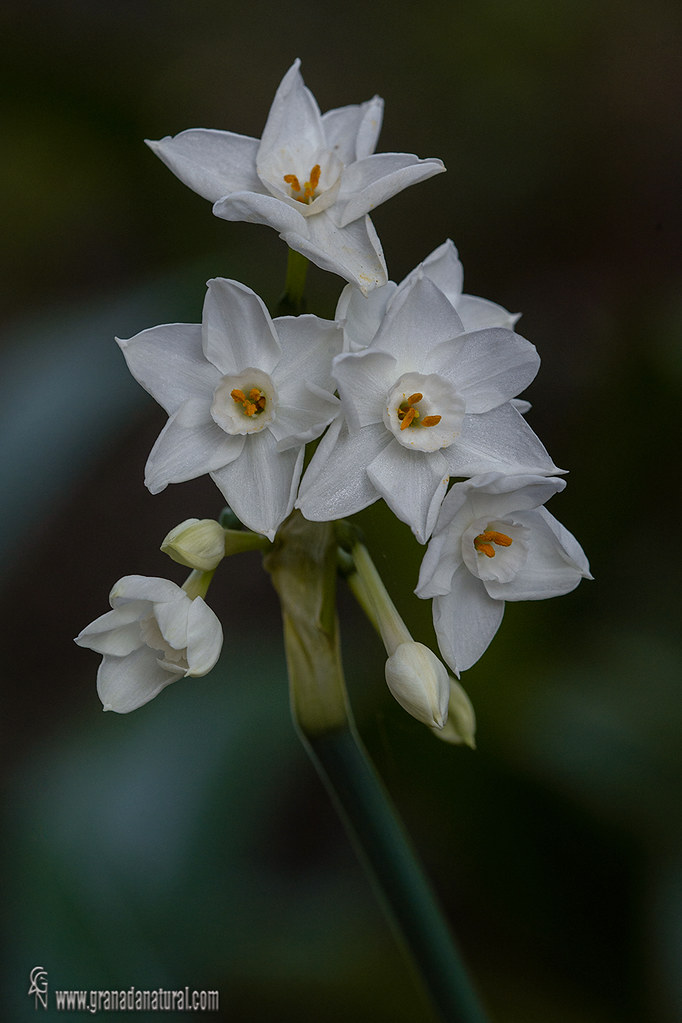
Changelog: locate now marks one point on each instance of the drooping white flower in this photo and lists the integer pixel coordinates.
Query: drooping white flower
(312, 177)
(426, 400)
(362, 315)
(155, 635)
(244, 394)
(494, 541)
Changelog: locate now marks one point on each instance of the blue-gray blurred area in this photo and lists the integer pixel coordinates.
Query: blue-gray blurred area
(191, 843)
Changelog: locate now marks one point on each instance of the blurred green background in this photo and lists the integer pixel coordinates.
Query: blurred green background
(191, 843)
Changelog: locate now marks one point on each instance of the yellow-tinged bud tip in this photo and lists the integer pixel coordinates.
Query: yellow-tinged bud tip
(196, 543)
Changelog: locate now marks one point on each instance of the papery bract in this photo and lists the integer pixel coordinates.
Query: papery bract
(244, 394)
(494, 541)
(312, 177)
(155, 635)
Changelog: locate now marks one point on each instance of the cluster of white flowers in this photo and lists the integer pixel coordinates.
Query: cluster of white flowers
(410, 385)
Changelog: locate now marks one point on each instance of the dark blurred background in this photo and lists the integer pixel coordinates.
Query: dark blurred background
(191, 842)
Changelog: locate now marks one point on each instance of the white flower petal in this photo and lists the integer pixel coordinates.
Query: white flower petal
(126, 683)
(237, 330)
(294, 120)
(364, 380)
(184, 452)
(352, 132)
(260, 486)
(204, 638)
(255, 208)
(211, 162)
(142, 587)
(171, 617)
(308, 346)
(169, 363)
(479, 313)
(336, 483)
(488, 368)
(418, 318)
(441, 560)
(413, 484)
(297, 424)
(443, 266)
(362, 314)
(369, 182)
(466, 620)
(353, 252)
(498, 441)
(115, 632)
(496, 495)
(549, 570)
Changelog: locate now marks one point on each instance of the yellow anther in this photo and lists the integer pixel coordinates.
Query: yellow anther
(251, 405)
(314, 181)
(292, 180)
(414, 398)
(408, 416)
(431, 420)
(485, 548)
(308, 187)
(485, 540)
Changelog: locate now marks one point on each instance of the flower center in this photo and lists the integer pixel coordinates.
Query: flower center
(254, 404)
(244, 402)
(409, 415)
(309, 190)
(485, 541)
(495, 550)
(171, 659)
(424, 412)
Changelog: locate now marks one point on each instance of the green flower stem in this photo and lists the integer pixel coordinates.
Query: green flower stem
(302, 564)
(197, 583)
(239, 540)
(292, 302)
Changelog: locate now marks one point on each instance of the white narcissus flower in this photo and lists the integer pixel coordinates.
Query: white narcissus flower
(426, 400)
(312, 177)
(244, 394)
(494, 541)
(154, 635)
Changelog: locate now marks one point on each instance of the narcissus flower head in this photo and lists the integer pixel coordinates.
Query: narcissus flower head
(424, 401)
(494, 541)
(312, 177)
(244, 394)
(155, 634)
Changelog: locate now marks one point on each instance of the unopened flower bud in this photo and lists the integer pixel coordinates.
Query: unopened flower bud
(419, 682)
(196, 543)
(461, 724)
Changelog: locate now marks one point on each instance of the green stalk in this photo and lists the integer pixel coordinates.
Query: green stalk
(292, 301)
(302, 564)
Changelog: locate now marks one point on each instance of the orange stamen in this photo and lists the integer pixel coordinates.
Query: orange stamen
(485, 548)
(431, 420)
(414, 398)
(254, 403)
(292, 180)
(311, 185)
(408, 417)
(485, 540)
